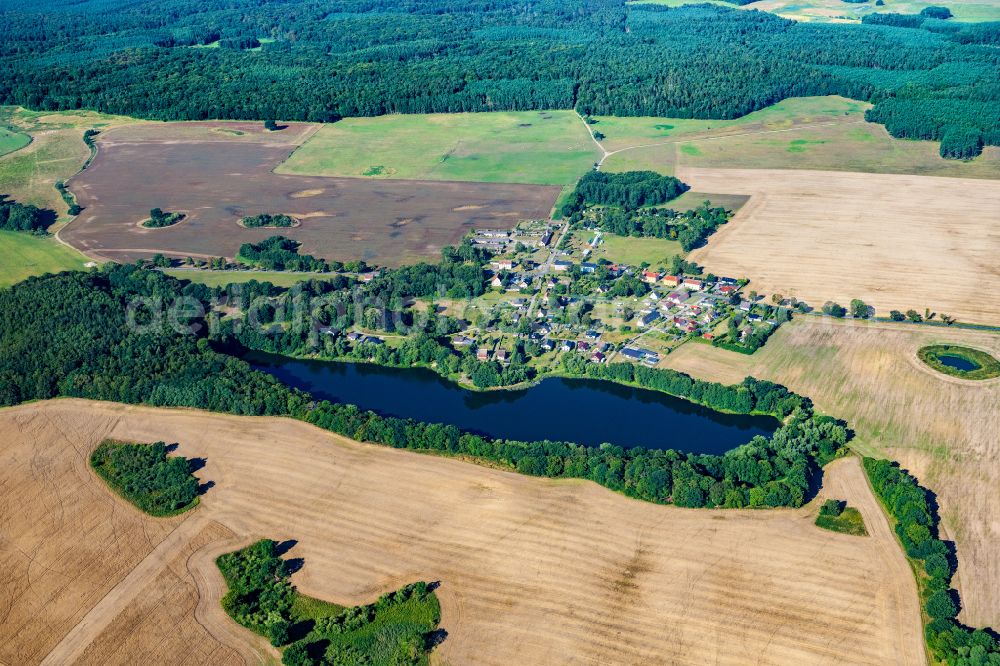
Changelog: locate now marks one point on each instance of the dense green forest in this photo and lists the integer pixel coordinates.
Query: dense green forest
(82, 322)
(396, 630)
(324, 59)
(145, 476)
(629, 189)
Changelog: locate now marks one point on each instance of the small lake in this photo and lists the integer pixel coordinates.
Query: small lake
(958, 362)
(585, 411)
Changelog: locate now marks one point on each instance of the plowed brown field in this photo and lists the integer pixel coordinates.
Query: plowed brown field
(217, 173)
(532, 571)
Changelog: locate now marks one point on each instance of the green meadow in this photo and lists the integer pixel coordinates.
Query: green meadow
(11, 140)
(537, 147)
(23, 255)
(821, 133)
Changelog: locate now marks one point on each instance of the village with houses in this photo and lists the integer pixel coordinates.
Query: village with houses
(547, 297)
(546, 308)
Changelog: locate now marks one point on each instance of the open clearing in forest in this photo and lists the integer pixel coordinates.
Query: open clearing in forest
(217, 177)
(538, 147)
(552, 147)
(838, 11)
(945, 430)
(896, 242)
(532, 571)
(628, 132)
(828, 133)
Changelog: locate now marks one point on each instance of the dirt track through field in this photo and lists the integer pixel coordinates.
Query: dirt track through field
(532, 571)
(162, 623)
(896, 242)
(114, 602)
(216, 179)
(211, 588)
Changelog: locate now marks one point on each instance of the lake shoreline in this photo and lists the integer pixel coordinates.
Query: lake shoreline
(583, 410)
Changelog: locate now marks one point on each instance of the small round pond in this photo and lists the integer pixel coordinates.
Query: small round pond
(959, 361)
(584, 411)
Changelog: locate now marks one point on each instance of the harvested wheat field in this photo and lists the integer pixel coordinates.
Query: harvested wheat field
(532, 571)
(159, 617)
(895, 241)
(946, 431)
(79, 563)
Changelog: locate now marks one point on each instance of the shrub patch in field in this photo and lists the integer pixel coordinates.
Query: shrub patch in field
(836, 516)
(396, 629)
(146, 477)
(160, 218)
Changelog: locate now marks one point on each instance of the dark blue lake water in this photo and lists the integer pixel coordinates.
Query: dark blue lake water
(585, 411)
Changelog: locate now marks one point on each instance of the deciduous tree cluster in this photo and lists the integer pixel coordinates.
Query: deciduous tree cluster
(145, 476)
(916, 520)
(278, 253)
(16, 216)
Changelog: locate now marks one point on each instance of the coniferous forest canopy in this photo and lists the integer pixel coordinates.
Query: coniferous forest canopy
(319, 60)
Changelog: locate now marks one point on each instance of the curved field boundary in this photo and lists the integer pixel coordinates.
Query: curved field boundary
(10, 143)
(531, 570)
(211, 588)
(942, 429)
(217, 178)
